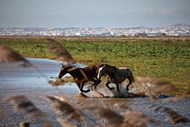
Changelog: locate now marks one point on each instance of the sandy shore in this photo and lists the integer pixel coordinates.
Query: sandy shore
(32, 82)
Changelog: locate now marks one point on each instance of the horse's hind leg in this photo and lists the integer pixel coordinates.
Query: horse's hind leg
(127, 87)
(131, 80)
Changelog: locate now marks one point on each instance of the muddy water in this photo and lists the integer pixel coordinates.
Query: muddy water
(32, 82)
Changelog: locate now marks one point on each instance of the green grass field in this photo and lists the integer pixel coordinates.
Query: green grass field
(153, 57)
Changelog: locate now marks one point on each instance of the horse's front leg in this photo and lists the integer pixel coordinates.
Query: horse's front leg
(93, 87)
(117, 85)
(81, 88)
(127, 87)
(96, 82)
(107, 84)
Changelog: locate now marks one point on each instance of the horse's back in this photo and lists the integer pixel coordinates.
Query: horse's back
(124, 71)
(90, 71)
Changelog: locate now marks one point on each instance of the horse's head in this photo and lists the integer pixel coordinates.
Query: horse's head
(64, 69)
(102, 70)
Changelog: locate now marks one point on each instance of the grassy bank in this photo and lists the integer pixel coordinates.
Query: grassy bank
(167, 58)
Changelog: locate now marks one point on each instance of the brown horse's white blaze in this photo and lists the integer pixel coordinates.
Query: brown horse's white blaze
(115, 75)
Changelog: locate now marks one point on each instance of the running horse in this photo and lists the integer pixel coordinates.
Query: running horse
(115, 75)
(81, 75)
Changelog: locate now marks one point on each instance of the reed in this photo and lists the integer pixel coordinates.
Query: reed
(112, 118)
(22, 104)
(171, 115)
(61, 52)
(64, 108)
(8, 55)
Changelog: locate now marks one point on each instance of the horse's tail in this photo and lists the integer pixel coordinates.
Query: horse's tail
(132, 78)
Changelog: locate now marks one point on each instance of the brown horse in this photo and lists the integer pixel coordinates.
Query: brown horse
(81, 75)
(115, 75)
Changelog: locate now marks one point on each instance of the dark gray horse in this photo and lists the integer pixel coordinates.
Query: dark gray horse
(115, 75)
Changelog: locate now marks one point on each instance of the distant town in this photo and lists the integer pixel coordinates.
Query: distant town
(173, 30)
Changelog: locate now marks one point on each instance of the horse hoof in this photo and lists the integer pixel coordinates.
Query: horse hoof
(112, 88)
(85, 91)
(101, 95)
(82, 95)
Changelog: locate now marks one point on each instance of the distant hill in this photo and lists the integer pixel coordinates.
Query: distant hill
(181, 29)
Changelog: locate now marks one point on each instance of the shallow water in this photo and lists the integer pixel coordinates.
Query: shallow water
(32, 82)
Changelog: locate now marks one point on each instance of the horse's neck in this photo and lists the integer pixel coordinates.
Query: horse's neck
(74, 73)
(79, 74)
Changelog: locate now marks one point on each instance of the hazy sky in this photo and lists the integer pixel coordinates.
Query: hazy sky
(93, 13)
